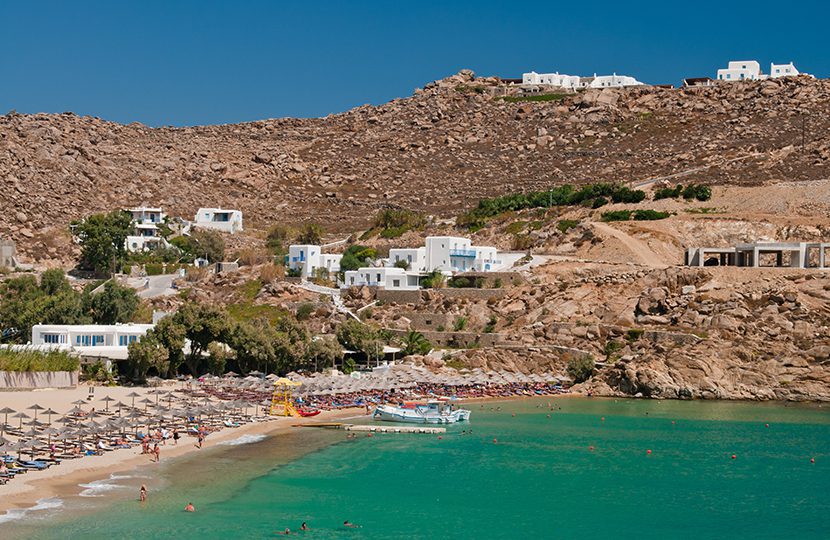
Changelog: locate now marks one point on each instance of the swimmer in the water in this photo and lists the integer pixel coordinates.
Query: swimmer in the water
(189, 508)
(349, 525)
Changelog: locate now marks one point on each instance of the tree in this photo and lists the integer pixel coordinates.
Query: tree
(114, 304)
(144, 354)
(24, 303)
(170, 334)
(402, 264)
(323, 351)
(103, 241)
(253, 343)
(202, 324)
(53, 281)
(355, 257)
(415, 343)
(311, 233)
(580, 368)
(207, 244)
(359, 337)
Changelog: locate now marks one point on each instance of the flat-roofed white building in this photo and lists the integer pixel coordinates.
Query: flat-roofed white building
(308, 258)
(414, 257)
(220, 219)
(457, 254)
(741, 70)
(90, 340)
(383, 277)
(551, 79)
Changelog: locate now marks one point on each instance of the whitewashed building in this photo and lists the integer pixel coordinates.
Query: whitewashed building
(551, 79)
(229, 221)
(575, 82)
(146, 235)
(308, 258)
(383, 277)
(90, 340)
(457, 254)
(741, 70)
(782, 70)
(415, 258)
(613, 81)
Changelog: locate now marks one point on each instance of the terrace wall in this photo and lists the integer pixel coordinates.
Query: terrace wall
(26, 380)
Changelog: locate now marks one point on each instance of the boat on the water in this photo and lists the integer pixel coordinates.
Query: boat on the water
(429, 412)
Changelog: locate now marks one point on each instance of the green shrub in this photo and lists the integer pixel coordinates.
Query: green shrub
(460, 324)
(304, 311)
(516, 227)
(580, 368)
(490, 327)
(566, 195)
(650, 215)
(126, 269)
(154, 269)
(668, 193)
(565, 225)
(599, 202)
(699, 192)
(616, 215)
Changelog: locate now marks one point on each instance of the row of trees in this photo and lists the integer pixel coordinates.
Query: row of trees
(218, 342)
(25, 301)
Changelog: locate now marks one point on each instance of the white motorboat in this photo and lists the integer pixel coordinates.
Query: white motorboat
(429, 412)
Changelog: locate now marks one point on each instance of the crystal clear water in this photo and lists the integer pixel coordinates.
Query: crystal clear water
(573, 475)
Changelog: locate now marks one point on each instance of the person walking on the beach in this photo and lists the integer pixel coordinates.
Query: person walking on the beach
(175, 436)
(200, 438)
(157, 452)
(142, 493)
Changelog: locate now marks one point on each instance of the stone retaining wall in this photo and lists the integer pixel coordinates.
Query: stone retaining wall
(455, 339)
(26, 380)
(478, 294)
(398, 297)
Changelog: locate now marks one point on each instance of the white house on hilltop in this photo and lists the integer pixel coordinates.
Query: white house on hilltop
(146, 234)
(782, 70)
(551, 79)
(307, 258)
(750, 70)
(229, 221)
(415, 258)
(575, 82)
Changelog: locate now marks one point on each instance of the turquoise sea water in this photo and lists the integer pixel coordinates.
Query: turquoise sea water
(541, 479)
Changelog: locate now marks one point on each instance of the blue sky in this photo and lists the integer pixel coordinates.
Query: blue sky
(209, 62)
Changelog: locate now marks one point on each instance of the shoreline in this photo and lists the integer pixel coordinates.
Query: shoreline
(63, 480)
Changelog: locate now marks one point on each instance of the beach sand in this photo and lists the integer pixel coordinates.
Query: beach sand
(64, 479)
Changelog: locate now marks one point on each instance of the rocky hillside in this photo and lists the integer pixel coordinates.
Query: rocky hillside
(438, 151)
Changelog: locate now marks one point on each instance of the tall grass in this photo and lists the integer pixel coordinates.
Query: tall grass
(37, 361)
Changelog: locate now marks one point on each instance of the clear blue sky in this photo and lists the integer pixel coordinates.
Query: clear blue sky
(207, 62)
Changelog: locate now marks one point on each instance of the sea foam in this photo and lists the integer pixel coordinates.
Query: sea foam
(42, 504)
(244, 439)
(99, 487)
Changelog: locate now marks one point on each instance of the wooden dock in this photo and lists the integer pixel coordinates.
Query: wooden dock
(371, 428)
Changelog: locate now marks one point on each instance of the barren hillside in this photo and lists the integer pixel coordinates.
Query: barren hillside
(438, 151)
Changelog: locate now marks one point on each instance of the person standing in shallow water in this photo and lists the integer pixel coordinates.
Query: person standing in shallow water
(142, 493)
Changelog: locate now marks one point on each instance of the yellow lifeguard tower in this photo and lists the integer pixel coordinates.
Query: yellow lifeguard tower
(281, 399)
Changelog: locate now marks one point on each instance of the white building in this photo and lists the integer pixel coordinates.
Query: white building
(90, 340)
(308, 258)
(383, 277)
(613, 81)
(782, 70)
(574, 82)
(551, 79)
(416, 258)
(229, 221)
(146, 235)
(741, 70)
(457, 254)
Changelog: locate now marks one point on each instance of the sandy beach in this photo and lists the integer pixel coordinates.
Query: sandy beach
(64, 479)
